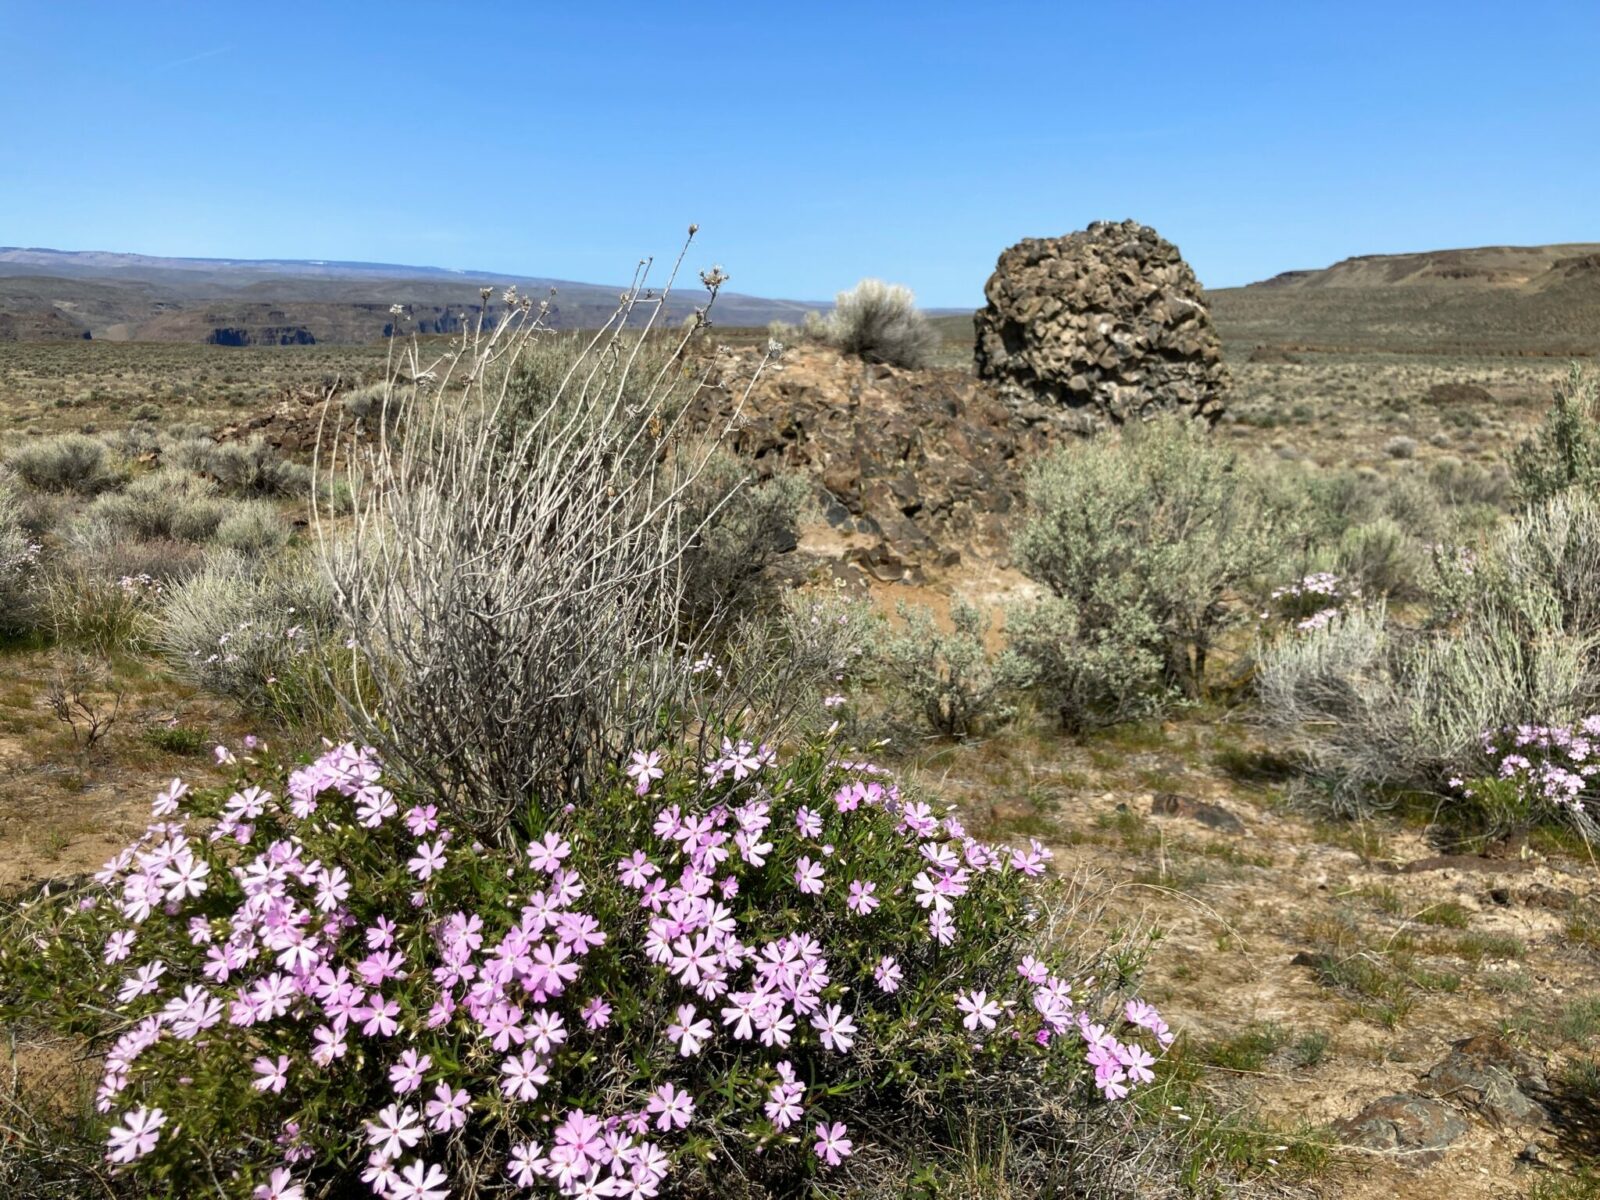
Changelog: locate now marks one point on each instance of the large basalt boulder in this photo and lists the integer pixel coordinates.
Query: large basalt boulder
(1106, 326)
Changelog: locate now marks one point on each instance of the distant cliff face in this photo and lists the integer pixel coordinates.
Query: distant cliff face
(267, 336)
(304, 324)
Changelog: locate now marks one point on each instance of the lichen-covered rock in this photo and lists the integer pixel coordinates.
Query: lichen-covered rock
(1107, 325)
(1415, 1129)
(1488, 1072)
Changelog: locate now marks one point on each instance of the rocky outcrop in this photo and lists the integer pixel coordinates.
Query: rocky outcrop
(1107, 325)
(911, 467)
(295, 424)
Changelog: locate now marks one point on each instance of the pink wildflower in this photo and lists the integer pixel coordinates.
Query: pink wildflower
(394, 1131)
(832, 1146)
(671, 1108)
(279, 1187)
(420, 1181)
(808, 877)
(273, 1075)
(689, 1034)
(448, 1109)
(137, 1135)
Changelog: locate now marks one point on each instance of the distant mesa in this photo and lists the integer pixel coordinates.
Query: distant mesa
(1523, 301)
(297, 336)
(1523, 267)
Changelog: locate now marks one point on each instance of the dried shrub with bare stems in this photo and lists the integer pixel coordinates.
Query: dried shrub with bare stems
(515, 579)
(79, 696)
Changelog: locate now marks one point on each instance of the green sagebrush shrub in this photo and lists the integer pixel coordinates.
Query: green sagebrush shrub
(727, 975)
(247, 469)
(168, 504)
(1087, 674)
(264, 633)
(64, 462)
(949, 678)
(740, 528)
(1381, 558)
(1565, 451)
(19, 566)
(252, 527)
(1153, 530)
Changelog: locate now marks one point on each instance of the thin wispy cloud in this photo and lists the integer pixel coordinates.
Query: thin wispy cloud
(193, 58)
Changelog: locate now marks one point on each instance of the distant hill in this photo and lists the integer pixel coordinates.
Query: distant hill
(134, 297)
(1524, 268)
(1519, 300)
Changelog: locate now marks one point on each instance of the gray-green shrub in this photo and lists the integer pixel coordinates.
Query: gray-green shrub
(1382, 559)
(252, 527)
(247, 469)
(742, 527)
(84, 606)
(799, 664)
(165, 504)
(1375, 706)
(949, 678)
(1087, 674)
(1161, 518)
(1542, 568)
(1565, 450)
(64, 462)
(19, 566)
(879, 322)
(264, 634)
(1515, 640)
(97, 545)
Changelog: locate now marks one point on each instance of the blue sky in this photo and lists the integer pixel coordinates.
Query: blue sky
(814, 143)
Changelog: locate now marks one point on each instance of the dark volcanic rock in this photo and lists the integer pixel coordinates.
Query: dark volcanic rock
(1107, 325)
(1416, 1128)
(911, 466)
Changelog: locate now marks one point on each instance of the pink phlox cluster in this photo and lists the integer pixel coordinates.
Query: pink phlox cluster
(318, 988)
(1554, 764)
(1323, 592)
(739, 759)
